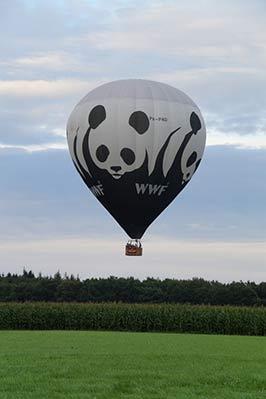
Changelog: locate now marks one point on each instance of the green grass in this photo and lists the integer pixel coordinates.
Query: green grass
(114, 365)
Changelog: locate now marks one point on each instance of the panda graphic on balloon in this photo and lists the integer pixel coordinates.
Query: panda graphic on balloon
(136, 152)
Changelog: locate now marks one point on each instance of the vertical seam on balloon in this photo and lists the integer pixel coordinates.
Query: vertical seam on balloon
(169, 100)
(107, 100)
(135, 97)
(153, 131)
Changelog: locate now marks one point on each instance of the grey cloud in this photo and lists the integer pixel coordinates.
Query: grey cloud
(50, 19)
(21, 128)
(29, 28)
(194, 47)
(241, 123)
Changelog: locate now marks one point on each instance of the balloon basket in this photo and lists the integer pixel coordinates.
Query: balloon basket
(133, 248)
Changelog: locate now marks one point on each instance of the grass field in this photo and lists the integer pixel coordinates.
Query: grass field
(114, 365)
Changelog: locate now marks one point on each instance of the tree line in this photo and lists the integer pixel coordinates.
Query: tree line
(58, 288)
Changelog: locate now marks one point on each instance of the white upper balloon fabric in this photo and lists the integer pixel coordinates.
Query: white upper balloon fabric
(136, 144)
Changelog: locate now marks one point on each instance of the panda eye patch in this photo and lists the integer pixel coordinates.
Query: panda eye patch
(102, 153)
(195, 122)
(139, 121)
(128, 156)
(192, 159)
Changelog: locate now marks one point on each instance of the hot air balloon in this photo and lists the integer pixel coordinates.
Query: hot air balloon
(136, 144)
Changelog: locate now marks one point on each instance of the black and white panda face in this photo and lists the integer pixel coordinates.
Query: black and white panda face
(118, 139)
(117, 156)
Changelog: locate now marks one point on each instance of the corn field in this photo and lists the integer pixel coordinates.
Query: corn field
(133, 317)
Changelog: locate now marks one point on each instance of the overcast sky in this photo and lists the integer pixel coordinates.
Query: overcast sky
(53, 52)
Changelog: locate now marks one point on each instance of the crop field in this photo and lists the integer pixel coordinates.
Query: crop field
(203, 319)
(125, 365)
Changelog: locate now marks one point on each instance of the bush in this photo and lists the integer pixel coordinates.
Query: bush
(133, 317)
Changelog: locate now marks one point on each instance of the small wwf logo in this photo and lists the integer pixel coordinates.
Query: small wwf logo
(97, 190)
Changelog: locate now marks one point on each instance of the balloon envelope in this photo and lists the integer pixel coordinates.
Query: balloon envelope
(136, 144)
